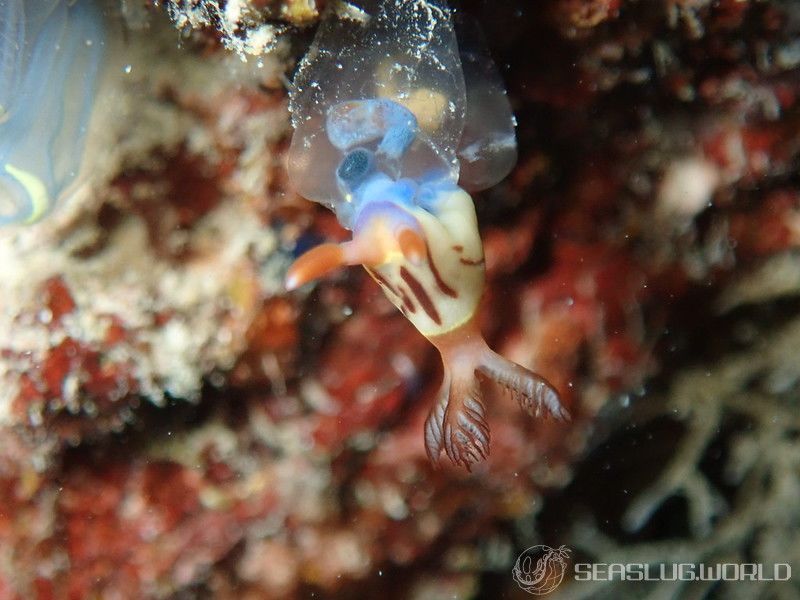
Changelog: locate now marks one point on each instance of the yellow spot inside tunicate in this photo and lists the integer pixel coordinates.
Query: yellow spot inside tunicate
(36, 190)
(428, 105)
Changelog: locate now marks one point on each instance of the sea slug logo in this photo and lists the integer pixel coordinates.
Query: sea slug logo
(540, 569)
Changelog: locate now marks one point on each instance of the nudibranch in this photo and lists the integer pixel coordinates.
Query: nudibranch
(50, 56)
(394, 120)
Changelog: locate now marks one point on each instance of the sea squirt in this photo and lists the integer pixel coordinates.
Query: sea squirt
(393, 121)
(50, 57)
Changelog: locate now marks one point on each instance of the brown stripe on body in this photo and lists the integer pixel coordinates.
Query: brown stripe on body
(471, 263)
(383, 281)
(408, 305)
(458, 248)
(422, 296)
(446, 289)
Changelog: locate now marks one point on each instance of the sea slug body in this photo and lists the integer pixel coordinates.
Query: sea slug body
(394, 121)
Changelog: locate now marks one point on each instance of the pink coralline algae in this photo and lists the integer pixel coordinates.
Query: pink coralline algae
(174, 424)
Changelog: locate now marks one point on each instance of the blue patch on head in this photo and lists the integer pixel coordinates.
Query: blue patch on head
(380, 189)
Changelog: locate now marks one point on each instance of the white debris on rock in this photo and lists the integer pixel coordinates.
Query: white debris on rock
(245, 29)
(209, 298)
(686, 189)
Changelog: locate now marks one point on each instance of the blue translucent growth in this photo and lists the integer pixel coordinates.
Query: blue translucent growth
(50, 56)
(371, 174)
(373, 59)
(362, 121)
(385, 127)
(390, 77)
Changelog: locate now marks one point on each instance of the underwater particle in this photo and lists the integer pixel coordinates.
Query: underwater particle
(686, 188)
